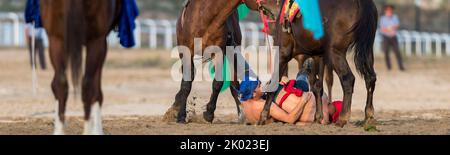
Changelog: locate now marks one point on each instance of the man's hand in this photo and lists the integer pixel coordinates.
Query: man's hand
(284, 80)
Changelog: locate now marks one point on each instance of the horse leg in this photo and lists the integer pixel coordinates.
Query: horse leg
(330, 80)
(178, 109)
(92, 94)
(301, 61)
(285, 57)
(316, 79)
(60, 86)
(347, 79)
(234, 92)
(208, 115)
(370, 79)
(235, 85)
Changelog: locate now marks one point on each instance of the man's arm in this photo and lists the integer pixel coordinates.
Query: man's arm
(279, 114)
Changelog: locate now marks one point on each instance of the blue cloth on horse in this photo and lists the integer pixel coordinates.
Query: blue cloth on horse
(32, 13)
(127, 24)
(128, 15)
(312, 18)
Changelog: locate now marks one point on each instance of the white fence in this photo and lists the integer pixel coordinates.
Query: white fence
(154, 34)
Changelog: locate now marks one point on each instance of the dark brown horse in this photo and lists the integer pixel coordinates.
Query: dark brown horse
(72, 24)
(324, 71)
(216, 23)
(348, 24)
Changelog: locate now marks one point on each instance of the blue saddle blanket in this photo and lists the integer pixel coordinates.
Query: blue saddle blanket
(128, 15)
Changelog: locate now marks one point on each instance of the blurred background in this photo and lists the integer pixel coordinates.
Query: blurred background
(425, 25)
(426, 15)
(138, 81)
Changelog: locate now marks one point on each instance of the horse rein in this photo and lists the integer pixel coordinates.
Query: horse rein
(262, 12)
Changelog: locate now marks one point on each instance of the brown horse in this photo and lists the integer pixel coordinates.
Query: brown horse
(72, 24)
(216, 23)
(348, 24)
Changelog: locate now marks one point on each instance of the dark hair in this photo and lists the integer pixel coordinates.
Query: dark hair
(387, 6)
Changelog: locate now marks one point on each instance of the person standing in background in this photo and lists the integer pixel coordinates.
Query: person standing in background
(389, 25)
(39, 45)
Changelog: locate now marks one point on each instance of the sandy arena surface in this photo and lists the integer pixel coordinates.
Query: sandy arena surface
(138, 89)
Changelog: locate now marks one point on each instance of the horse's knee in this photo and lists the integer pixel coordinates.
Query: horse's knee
(60, 83)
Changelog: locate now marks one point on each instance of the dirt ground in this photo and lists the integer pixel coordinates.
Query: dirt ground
(138, 89)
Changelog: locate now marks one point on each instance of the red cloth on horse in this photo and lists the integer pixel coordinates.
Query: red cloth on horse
(338, 106)
(292, 11)
(290, 89)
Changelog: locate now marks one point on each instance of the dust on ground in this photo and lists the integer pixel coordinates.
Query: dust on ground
(138, 89)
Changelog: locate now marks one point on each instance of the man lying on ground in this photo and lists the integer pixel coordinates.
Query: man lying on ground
(294, 103)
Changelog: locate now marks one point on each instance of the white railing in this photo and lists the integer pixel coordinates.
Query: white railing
(11, 34)
(153, 34)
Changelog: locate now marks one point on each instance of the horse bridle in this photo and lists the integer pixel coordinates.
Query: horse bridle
(264, 9)
(264, 12)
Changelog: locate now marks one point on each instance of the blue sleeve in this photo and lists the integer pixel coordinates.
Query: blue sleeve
(396, 20)
(382, 22)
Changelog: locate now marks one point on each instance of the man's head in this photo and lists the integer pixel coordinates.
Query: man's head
(250, 88)
(389, 10)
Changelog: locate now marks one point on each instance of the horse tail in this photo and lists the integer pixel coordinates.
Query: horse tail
(364, 32)
(73, 39)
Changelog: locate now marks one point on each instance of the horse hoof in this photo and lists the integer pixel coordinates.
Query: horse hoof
(241, 119)
(318, 121)
(370, 125)
(371, 122)
(182, 121)
(370, 128)
(341, 124)
(367, 122)
(264, 118)
(261, 122)
(171, 115)
(208, 117)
